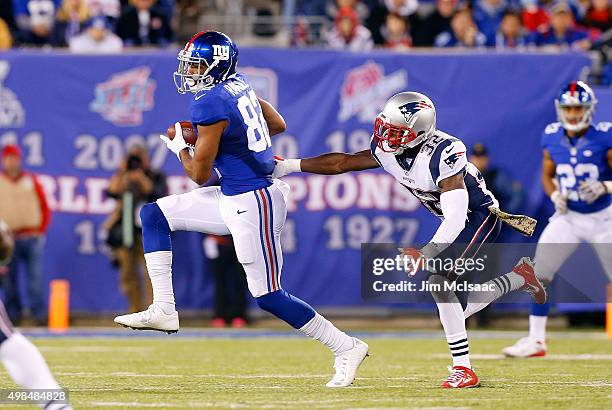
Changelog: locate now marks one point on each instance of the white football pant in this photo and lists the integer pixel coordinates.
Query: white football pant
(566, 232)
(255, 220)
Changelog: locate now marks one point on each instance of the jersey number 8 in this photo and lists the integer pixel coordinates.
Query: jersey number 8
(253, 118)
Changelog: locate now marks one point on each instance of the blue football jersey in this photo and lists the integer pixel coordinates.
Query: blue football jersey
(580, 159)
(245, 160)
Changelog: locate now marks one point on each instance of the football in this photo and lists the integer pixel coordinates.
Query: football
(189, 133)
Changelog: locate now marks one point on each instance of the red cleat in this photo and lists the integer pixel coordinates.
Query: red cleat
(461, 378)
(218, 323)
(532, 285)
(238, 323)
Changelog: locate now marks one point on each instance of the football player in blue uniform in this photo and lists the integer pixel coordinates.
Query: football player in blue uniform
(433, 166)
(577, 176)
(234, 128)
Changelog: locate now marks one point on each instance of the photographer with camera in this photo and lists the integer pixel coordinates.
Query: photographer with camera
(132, 186)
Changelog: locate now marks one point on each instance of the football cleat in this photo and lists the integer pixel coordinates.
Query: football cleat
(526, 347)
(532, 285)
(460, 378)
(347, 363)
(154, 318)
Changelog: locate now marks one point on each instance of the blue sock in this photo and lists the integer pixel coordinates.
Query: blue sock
(286, 307)
(155, 229)
(540, 310)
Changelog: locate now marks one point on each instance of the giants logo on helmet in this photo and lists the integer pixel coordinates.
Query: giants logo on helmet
(221, 52)
(125, 96)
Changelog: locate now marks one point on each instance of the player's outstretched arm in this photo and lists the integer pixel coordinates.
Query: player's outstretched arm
(199, 168)
(327, 164)
(339, 163)
(276, 122)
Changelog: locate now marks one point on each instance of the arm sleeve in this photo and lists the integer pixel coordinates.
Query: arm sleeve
(454, 208)
(448, 159)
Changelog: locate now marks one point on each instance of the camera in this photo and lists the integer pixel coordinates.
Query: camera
(134, 162)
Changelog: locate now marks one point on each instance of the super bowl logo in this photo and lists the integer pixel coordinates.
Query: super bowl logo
(366, 89)
(12, 114)
(125, 96)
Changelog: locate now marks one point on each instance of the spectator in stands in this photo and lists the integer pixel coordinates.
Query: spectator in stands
(230, 306)
(7, 14)
(348, 33)
(70, 20)
(463, 33)
(96, 39)
(535, 19)
(510, 34)
(508, 192)
(377, 19)
(435, 23)
(397, 35)
(488, 15)
(109, 9)
(35, 20)
(599, 15)
(333, 6)
(6, 39)
(24, 208)
(562, 33)
(133, 185)
(142, 24)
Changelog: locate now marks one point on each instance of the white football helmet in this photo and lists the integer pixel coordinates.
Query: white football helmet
(406, 120)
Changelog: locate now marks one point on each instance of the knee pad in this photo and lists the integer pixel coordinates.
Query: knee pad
(155, 229)
(287, 307)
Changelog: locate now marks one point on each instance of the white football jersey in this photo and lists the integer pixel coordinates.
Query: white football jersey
(420, 170)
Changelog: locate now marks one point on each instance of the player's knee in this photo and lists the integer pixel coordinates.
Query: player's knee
(155, 229)
(151, 214)
(286, 307)
(438, 286)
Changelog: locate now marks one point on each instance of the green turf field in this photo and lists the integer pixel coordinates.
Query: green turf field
(277, 373)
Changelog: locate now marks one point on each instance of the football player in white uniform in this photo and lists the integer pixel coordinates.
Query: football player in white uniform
(577, 176)
(22, 360)
(433, 166)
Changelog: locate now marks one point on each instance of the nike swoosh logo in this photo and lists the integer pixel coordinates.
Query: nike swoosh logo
(240, 212)
(448, 150)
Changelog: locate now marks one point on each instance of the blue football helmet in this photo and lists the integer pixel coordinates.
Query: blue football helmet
(209, 58)
(576, 94)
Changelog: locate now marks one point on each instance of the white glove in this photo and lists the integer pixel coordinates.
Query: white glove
(560, 201)
(285, 166)
(176, 144)
(589, 191)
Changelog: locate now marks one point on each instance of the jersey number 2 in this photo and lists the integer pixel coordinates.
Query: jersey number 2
(257, 131)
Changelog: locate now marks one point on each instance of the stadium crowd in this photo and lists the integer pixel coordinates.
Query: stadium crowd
(109, 25)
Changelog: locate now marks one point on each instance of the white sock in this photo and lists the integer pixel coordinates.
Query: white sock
(502, 285)
(159, 266)
(453, 322)
(325, 332)
(537, 328)
(25, 364)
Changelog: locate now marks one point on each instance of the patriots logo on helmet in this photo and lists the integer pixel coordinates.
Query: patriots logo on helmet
(410, 109)
(452, 159)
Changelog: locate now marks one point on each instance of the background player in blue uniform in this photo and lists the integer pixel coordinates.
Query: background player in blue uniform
(234, 128)
(577, 175)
